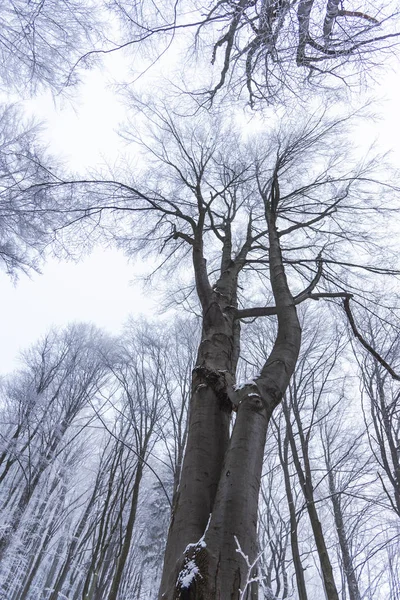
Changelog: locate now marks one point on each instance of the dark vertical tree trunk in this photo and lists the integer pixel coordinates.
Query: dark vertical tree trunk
(305, 479)
(106, 528)
(72, 548)
(352, 583)
(126, 544)
(51, 575)
(384, 420)
(202, 560)
(294, 542)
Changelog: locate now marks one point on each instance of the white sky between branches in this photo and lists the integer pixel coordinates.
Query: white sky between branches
(102, 288)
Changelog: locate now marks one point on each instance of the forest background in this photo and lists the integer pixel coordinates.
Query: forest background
(93, 422)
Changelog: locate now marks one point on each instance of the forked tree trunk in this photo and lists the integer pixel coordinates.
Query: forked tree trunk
(216, 509)
(208, 437)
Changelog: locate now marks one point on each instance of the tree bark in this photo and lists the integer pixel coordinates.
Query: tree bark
(202, 561)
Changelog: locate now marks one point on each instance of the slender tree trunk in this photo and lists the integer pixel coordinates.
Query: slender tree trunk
(105, 529)
(307, 489)
(126, 544)
(39, 549)
(298, 567)
(51, 575)
(386, 436)
(71, 549)
(38, 557)
(29, 490)
(352, 583)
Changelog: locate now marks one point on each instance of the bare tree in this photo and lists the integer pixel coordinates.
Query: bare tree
(383, 420)
(266, 46)
(280, 216)
(63, 373)
(349, 461)
(139, 375)
(310, 383)
(40, 41)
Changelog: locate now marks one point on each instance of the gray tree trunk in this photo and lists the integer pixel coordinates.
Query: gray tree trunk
(217, 503)
(294, 542)
(352, 583)
(308, 492)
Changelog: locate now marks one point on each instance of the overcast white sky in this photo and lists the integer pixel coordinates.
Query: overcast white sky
(101, 288)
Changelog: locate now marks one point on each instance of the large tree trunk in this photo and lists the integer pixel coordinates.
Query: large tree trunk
(208, 437)
(209, 414)
(216, 511)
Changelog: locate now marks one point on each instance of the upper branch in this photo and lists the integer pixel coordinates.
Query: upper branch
(367, 346)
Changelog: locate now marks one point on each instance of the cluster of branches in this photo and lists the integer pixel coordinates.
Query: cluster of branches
(267, 224)
(87, 423)
(267, 46)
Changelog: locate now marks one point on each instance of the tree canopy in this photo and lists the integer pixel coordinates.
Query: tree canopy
(279, 236)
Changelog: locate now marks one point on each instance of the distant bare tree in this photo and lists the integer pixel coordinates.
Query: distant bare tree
(308, 387)
(26, 220)
(41, 40)
(139, 375)
(62, 375)
(381, 396)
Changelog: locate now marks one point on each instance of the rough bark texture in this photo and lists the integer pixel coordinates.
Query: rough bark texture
(208, 437)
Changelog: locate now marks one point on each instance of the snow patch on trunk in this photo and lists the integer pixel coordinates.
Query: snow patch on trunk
(201, 543)
(241, 384)
(188, 574)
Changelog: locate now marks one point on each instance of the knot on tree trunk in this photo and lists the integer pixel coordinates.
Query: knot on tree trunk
(220, 382)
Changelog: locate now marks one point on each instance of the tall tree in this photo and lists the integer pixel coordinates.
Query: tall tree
(279, 213)
(62, 375)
